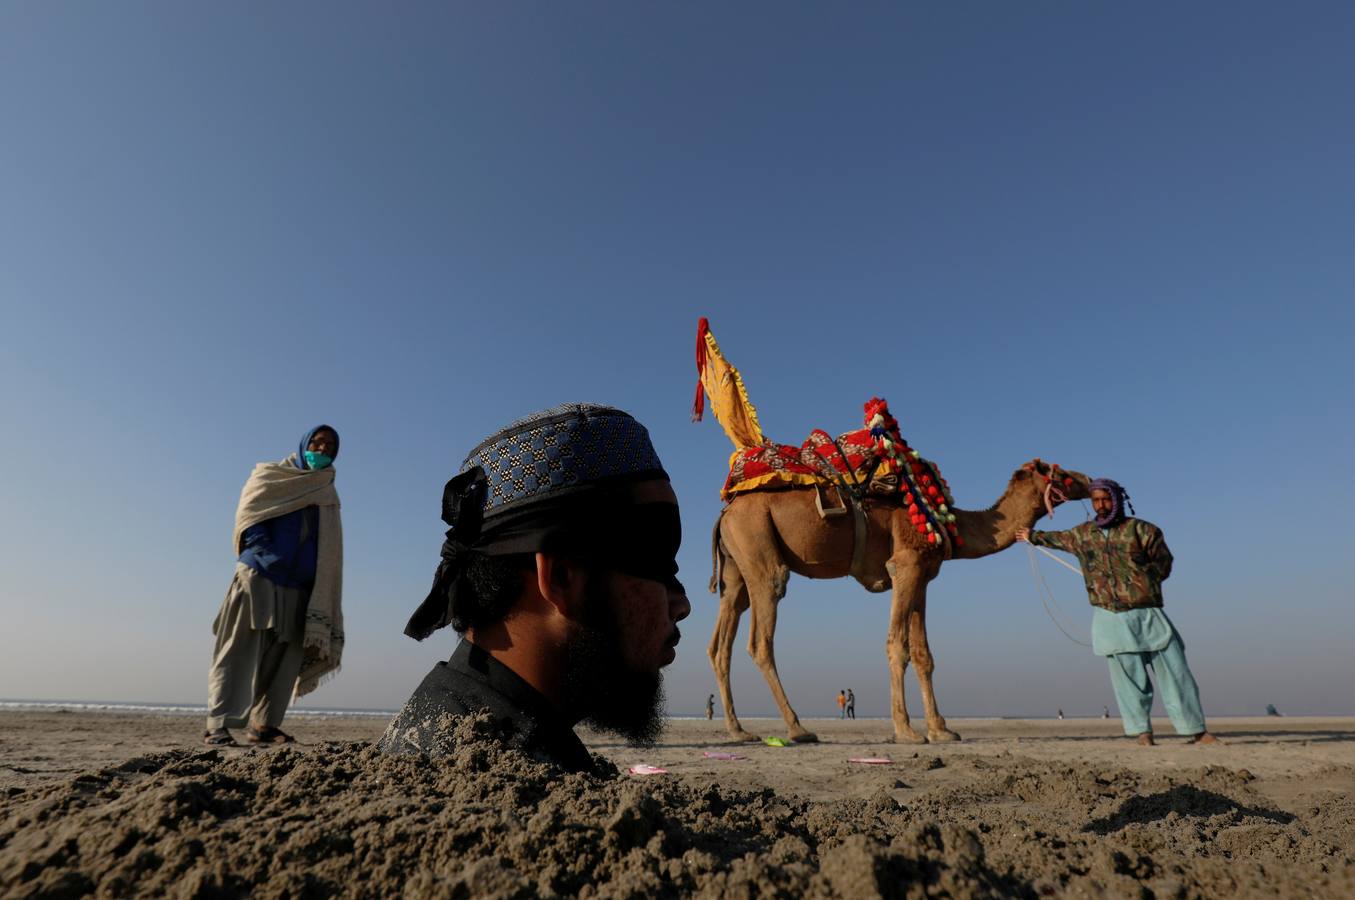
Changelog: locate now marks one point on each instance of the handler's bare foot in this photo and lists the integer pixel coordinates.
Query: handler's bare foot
(1205, 737)
(1146, 740)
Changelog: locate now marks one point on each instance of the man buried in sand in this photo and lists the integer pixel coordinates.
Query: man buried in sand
(559, 572)
(1124, 561)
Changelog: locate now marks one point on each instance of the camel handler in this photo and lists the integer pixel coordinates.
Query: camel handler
(1124, 561)
(560, 574)
(279, 631)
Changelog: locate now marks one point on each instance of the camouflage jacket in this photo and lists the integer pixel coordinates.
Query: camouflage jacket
(1124, 566)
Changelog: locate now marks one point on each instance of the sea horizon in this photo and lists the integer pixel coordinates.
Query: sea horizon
(192, 709)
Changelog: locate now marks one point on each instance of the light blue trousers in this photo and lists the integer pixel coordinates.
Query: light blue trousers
(1134, 692)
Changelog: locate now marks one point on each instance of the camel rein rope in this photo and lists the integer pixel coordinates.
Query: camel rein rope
(1063, 562)
(1039, 578)
(1052, 495)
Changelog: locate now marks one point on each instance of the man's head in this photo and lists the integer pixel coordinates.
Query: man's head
(1109, 501)
(565, 528)
(319, 447)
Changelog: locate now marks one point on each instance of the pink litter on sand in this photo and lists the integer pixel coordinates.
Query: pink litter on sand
(647, 770)
(710, 755)
(872, 760)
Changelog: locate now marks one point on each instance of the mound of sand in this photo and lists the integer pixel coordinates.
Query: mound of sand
(482, 821)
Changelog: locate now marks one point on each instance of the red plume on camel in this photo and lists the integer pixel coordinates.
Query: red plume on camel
(699, 404)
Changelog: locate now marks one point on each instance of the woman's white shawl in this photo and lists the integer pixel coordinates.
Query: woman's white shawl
(275, 489)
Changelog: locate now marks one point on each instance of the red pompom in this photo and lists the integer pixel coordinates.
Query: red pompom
(959, 541)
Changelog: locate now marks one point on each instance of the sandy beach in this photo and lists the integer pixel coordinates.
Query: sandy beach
(115, 803)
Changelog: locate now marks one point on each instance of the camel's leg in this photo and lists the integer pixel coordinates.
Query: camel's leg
(752, 542)
(905, 571)
(733, 602)
(761, 637)
(923, 664)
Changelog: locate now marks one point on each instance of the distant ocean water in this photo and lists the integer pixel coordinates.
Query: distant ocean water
(169, 709)
(189, 709)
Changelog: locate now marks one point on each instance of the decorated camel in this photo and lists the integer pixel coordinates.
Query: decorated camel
(863, 504)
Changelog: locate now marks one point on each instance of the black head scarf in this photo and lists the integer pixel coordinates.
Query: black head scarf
(555, 482)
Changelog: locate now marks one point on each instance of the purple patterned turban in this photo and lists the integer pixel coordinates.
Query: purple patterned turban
(1119, 499)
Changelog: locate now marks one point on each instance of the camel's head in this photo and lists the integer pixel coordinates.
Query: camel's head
(1053, 485)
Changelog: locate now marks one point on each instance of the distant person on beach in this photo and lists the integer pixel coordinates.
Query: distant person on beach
(842, 704)
(710, 707)
(1105, 712)
(560, 573)
(279, 631)
(851, 704)
(1060, 714)
(1124, 562)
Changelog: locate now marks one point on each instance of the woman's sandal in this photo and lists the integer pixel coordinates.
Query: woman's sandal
(268, 735)
(219, 738)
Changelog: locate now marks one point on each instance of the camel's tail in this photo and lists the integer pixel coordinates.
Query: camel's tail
(723, 385)
(717, 557)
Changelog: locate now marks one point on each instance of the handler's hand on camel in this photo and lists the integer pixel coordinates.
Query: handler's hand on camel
(1023, 534)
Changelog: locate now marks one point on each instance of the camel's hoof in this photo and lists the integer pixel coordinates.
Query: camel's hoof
(945, 734)
(744, 737)
(805, 737)
(909, 737)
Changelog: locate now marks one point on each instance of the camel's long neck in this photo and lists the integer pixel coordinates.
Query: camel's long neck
(994, 529)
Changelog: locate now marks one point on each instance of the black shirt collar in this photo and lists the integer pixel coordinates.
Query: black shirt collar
(543, 728)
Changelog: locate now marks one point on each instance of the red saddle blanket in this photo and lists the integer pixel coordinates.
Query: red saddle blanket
(817, 461)
(875, 459)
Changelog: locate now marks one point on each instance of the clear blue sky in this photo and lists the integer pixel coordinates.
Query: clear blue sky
(1121, 237)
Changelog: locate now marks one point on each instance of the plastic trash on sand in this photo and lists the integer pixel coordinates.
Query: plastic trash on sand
(709, 754)
(647, 770)
(776, 742)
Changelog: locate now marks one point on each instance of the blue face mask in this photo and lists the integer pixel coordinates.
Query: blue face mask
(317, 460)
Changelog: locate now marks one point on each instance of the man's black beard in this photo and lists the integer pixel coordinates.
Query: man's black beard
(607, 693)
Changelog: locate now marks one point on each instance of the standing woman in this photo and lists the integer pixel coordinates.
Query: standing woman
(279, 631)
